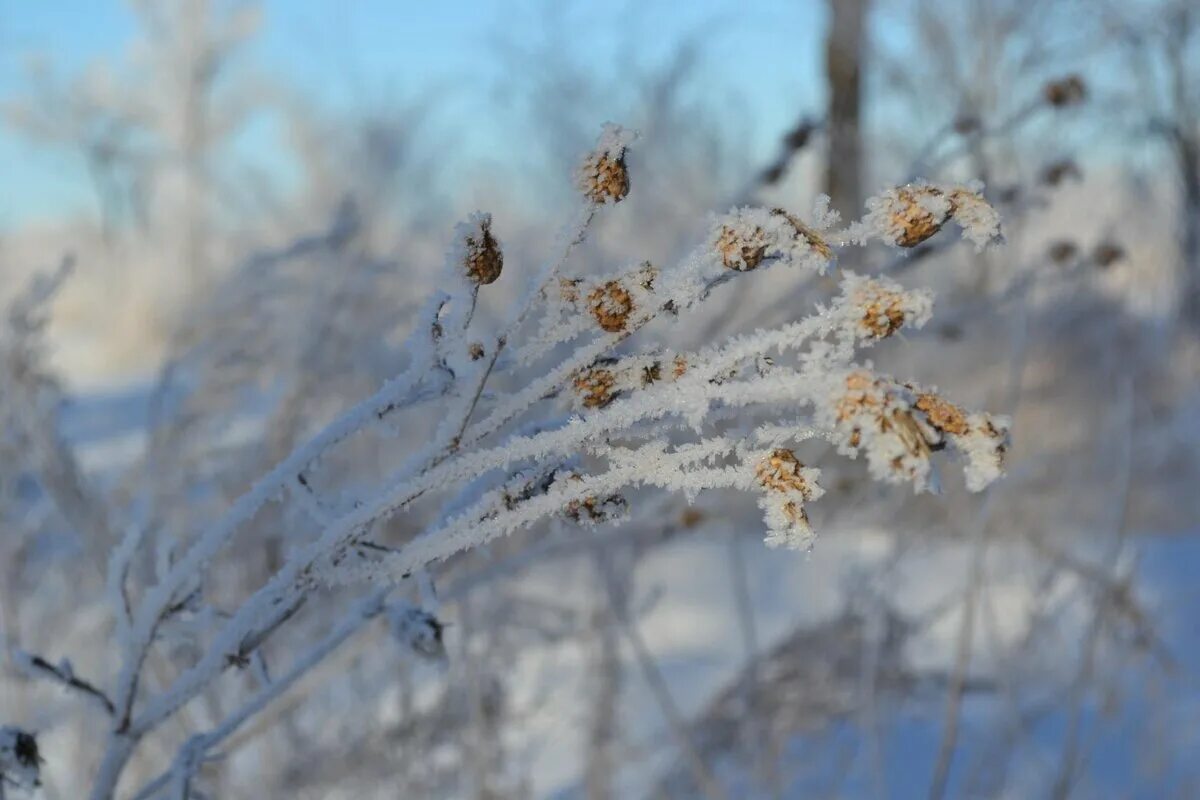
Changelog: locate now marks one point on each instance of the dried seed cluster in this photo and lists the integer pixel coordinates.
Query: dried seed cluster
(883, 307)
(744, 238)
(611, 305)
(909, 215)
(900, 426)
(482, 258)
(941, 414)
(603, 177)
(596, 387)
(781, 471)
(741, 250)
(787, 485)
(609, 378)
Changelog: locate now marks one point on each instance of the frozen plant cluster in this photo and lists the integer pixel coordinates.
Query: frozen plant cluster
(566, 409)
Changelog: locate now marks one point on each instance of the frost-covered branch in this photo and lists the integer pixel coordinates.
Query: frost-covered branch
(564, 410)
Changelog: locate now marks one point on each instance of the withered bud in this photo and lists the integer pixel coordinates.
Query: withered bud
(603, 177)
(883, 312)
(611, 305)
(475, 351)
(595, 387)
(482, 258)
(609, 180)
(1064, 92)
(781, 471)
(912, 220)
(741, 252)
(942, 415)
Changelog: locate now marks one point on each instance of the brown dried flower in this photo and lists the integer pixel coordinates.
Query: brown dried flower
(611, 305)
(596, 386)
(741, 252)
(942, 415)
(607, 179)
(482, 258)
(781, 471)
(883, 311)
(911, 218)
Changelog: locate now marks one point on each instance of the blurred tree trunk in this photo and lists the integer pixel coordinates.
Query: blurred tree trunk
(844, 54)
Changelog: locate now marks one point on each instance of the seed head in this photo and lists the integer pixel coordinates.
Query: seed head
(883, 307)
(741, 250)
(481, 256)
(596, 387)
(611, 305)
(916, 214)
(942, 415)
(603, 177)
(781, 471)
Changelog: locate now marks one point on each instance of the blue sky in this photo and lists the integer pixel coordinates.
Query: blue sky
(343, 53)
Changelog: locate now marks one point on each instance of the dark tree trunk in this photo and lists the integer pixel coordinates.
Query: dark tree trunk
(844, 54)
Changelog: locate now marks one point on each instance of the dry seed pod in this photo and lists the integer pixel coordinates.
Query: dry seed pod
(741, 252)
(781, 471)
(609, 181)
(914, 215)
(482, 258)
(603, 177)
(595, 387)
(942, 415)
(611, 305)
(883, 311)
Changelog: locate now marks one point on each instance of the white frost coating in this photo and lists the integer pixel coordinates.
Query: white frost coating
(983, 448)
